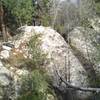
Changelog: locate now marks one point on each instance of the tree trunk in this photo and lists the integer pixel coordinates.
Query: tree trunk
(3, 29)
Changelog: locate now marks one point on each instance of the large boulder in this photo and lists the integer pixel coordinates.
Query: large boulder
(61, 56)
(86, 42)
(62, 59)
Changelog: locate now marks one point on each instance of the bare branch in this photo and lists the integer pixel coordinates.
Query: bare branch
(87, 89)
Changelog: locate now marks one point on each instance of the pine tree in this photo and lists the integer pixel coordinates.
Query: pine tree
(22, 10)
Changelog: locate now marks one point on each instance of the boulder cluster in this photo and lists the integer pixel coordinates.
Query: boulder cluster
(74, 60)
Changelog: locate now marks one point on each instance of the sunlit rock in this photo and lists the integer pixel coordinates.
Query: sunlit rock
(60, 55)
(95, 23)
(4, 54)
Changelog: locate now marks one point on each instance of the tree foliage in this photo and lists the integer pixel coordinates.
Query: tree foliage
(35, 87)
(22, 12)
(38, 56)
(21, 9)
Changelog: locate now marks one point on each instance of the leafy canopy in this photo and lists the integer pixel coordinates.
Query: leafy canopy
(22, 10)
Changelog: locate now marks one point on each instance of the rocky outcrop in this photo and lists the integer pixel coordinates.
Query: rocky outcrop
(61, 57)
(85, 41)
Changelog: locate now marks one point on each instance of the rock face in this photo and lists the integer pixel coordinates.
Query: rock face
(60, 54)
(86, 42)
(61, 57)
(95, 23)
(82, 39)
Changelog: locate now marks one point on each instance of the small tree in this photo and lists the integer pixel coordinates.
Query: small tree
(41, 14)
(67, 15)
(22, 10)
(35, 87)
(38, 57)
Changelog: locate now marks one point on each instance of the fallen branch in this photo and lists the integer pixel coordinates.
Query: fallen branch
(87, 89)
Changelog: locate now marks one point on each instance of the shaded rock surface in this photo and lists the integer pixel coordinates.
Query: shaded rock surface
(85, 41)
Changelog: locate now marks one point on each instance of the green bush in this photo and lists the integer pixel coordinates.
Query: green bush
(38, 56)
(35, 87)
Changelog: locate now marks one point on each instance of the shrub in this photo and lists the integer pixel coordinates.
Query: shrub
(35, 87)
(38, 56)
